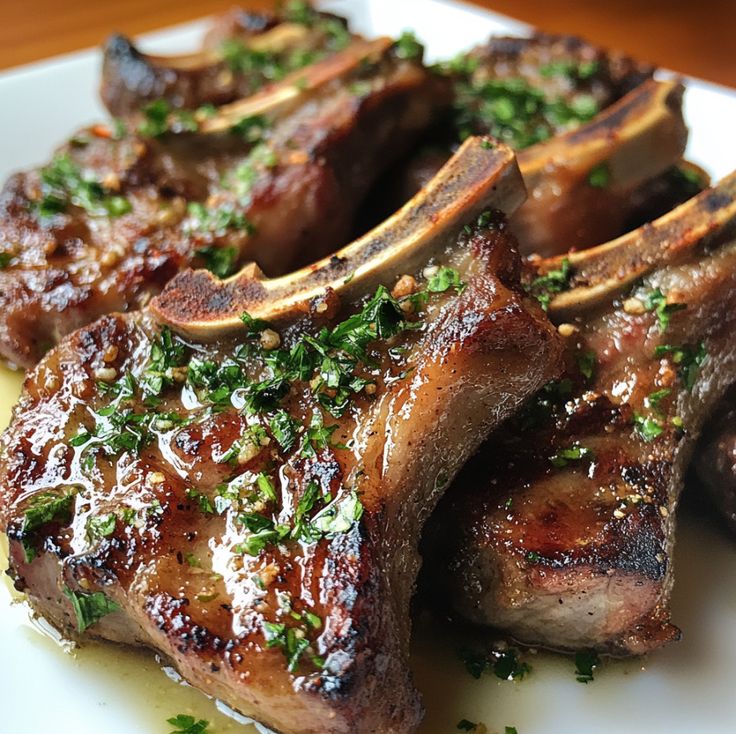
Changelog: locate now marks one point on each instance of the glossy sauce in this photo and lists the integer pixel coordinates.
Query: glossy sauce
(101, 687)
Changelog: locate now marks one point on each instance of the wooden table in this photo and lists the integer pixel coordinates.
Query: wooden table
(695, 37)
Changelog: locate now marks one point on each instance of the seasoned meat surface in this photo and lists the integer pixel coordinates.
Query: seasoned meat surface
(525, 90)
(592, 128)
(242, 52)
(250, 507)
(561, 529)
(115, 215)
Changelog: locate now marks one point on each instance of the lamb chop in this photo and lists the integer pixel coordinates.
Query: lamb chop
(562, 527)
(275, 178)
(237, 476)
(592, 129)
(242, 52)
(715, 459)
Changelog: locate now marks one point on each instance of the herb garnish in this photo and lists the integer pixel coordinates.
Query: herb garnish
(647, 427)
(90, 607)
(587, 363)
(600, 176)
(160, 118)
(564, 456)
(217, 220)
(251, 128)
(101, 526)
(186, 724)
(657, 301)
(511, 109)
(444, 279)
(220, 261)
(655, 398)
(689, 359)
(293, 641)
(64, 184)
(42, 509)
(408, 47)
(504, 664)
(586, 661)
(544, 287)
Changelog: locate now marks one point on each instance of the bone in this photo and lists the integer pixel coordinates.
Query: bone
(632, 141)
(480, 175)
(602, 272)
(279, 99)
(275, 39)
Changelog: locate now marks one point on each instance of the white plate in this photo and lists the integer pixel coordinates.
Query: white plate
(685, 688)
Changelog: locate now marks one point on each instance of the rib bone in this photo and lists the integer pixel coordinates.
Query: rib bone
(278, 100)
(564, 524)
(200, 306)
(634, 140)
(131, 79)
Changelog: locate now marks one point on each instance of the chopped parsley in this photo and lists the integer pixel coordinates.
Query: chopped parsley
(251, 128)
(444, 279)
(101, 526)
(504, 664)
(284, 429)
(570, 69)
(599, 176)
(293, 641)
(465, 725)
(185, 724)
(220, 261)
(216, 220)
(64, 184)
(564, 456)
(587, 363)
(89, 607)
(159, 118)
(655, 398)
(544, 287)
(262, 66)
(5, 259)
(657, 301)
(512, 110)
(42, 509)
(648, 427)
(586, 661)
(408, 47)
(689, 360)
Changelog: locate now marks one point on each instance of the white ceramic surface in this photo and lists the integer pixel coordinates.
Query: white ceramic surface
(684, 689)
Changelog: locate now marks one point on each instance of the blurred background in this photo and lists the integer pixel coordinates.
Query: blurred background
(695, 38)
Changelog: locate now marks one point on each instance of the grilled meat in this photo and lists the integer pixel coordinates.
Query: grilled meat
(526, 90)
(275, 178)
(715, 459)
(593, 130)
(242, 52)
(247, 501)
(562, 527)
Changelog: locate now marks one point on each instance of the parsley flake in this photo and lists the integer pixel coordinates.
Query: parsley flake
(586, 661)
(185, 724)
(90, 607)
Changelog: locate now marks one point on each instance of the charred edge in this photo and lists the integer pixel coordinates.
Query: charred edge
(170, 615)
